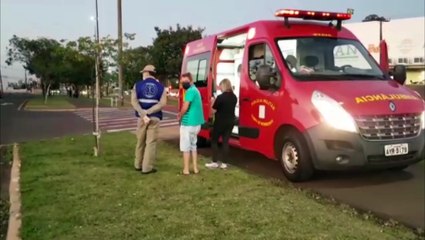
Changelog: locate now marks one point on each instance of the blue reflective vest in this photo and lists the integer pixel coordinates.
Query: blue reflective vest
(149, 92)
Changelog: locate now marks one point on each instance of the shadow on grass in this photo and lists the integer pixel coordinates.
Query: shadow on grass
(5, 168)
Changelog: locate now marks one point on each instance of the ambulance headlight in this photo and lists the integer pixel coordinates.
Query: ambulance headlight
(423, 120)
(333, 113)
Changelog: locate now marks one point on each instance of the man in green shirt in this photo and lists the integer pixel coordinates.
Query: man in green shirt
(191, 116)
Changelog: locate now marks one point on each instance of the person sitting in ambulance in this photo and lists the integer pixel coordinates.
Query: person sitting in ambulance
(291, 60)
(256, 60)
(310, 63)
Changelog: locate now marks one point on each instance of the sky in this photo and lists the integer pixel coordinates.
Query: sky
(70, 19)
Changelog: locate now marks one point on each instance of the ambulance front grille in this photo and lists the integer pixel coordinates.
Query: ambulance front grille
(388, 127)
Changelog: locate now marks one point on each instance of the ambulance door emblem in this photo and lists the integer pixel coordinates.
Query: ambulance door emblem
(392, 107)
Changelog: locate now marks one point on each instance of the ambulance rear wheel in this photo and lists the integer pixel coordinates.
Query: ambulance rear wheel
(295, 157)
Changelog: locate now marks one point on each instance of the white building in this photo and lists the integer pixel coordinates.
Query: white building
(405, 40)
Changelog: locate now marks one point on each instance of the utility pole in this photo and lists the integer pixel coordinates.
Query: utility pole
(120, 73)
(26, 80)
(1, 84)
(96, 133)
(376, 18)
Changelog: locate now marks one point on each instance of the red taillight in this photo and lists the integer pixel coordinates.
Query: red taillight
(312, 15)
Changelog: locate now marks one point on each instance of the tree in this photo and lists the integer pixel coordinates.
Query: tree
(133, 61)
(41, 57)
(167, 49)
(108, 53)
(79, 69)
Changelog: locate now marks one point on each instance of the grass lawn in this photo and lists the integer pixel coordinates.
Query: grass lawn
(65, 102)
(68, 194)
(85, 102)
(53, 102)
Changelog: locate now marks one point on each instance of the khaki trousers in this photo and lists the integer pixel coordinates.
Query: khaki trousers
(147, 135)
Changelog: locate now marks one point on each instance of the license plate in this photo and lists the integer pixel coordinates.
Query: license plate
(396, 149)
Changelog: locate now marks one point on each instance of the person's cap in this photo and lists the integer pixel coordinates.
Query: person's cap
(148, 68)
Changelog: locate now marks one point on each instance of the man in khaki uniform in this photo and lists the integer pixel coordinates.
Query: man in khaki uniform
(148, 97)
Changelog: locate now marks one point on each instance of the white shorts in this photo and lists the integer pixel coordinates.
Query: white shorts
(188, 138)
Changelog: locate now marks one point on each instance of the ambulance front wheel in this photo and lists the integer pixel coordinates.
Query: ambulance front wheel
(295, 157)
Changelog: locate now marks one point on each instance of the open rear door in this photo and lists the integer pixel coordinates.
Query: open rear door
(199, 61)
(383, 57)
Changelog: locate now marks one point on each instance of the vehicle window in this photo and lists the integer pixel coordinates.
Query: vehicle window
(192, 67)
(259, 54)
(198, 67)
(202, 70)
(348, 55)
(328, 59)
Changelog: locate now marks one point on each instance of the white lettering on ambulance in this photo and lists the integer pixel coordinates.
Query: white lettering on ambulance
(261, 111)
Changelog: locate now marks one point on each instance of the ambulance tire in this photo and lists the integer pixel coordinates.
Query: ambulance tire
(294, 149)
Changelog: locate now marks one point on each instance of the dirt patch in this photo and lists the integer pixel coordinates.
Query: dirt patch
(5, 167)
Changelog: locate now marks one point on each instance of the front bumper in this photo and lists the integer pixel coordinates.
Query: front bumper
(338, 150)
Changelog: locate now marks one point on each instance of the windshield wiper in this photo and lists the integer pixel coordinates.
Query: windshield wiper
(324, 77)
(364, 76)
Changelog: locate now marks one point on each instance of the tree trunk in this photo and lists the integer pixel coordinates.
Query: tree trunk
(46, 95)
(43, 89)
(88, 91)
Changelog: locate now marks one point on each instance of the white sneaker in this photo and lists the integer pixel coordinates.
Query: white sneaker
(223, 166)
(212, 165)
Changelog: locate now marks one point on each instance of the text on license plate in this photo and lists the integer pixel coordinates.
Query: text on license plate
(396, 149)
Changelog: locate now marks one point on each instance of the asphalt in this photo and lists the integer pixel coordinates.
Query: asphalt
(17, 125)
(22, 126)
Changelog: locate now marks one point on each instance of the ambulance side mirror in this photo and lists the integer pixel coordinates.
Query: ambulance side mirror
(399, 74)
(267, 78)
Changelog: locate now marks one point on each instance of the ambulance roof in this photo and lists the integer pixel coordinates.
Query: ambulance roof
(271, 29)
(277, 29)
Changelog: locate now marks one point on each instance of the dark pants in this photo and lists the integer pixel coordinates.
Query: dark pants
(224, 131)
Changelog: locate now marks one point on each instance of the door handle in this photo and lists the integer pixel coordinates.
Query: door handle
(246, 99)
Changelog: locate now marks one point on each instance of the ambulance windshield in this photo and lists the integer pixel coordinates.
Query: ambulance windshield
(319, 59)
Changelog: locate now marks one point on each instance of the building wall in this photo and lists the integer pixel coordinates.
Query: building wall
(415, 76)
(405, 40)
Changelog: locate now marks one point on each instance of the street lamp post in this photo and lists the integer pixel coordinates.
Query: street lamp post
(120, 70)
(376, 18)
(96, 133)
(1, 84)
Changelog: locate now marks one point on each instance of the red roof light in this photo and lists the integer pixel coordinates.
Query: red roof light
(313, 15)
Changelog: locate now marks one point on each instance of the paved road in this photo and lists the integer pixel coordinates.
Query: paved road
(389, 194)
(117, 120)
(21, 126)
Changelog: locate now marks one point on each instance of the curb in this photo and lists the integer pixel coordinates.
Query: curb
(15, 197)
(60, 110)
(50, 110)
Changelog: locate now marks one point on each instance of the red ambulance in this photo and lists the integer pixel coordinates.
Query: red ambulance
(310, 95)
